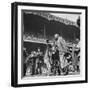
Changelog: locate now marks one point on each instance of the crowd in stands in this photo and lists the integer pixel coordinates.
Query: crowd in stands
(36, 37)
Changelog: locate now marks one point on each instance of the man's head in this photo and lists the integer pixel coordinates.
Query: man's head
(39, 50)
(47, 41)
(77, 40)
(56, 36)
(53, 43)
(24, 48)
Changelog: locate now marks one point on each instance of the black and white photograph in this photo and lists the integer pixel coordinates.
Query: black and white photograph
(51, 44)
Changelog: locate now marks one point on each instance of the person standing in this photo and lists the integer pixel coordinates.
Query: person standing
(62, 48)
(39, 62)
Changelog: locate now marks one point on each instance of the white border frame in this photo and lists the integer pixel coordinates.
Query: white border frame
(47, 79)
